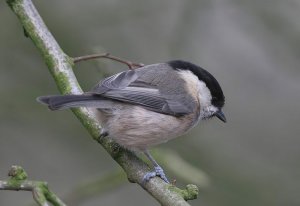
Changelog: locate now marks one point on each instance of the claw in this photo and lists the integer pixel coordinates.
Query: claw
(158, 172)
(148, 176)
(103, 134)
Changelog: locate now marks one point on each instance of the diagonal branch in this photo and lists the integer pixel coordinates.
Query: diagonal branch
(60, 66)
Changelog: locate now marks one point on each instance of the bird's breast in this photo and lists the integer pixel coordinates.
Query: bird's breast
(137, 128)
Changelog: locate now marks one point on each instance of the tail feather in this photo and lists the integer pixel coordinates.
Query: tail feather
(58, 102)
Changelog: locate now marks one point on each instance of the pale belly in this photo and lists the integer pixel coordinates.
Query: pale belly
(136, 128)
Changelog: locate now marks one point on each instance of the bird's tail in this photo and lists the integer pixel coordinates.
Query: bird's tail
(59, 102)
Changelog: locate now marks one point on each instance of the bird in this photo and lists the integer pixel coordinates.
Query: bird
(149, 105)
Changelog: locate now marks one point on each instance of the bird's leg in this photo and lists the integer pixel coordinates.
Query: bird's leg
(130, 64)
(102, 135)
(158, 171)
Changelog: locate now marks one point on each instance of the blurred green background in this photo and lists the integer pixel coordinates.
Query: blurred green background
(251, 47)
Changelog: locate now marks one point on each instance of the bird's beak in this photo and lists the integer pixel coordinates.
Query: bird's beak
(220, 115)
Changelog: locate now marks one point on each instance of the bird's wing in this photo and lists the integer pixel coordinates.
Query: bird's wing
(154, 88)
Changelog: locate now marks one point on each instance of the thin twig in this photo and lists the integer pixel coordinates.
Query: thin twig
(40, 191)
(131, 65)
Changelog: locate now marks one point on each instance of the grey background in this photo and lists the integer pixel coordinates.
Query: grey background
(251, 47)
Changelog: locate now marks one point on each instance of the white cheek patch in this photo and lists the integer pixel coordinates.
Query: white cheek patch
(192, 82)
(206, 109)
(196, 86)
(204, 95)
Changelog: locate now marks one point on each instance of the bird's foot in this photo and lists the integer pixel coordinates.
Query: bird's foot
(158, 171)
(103, 134)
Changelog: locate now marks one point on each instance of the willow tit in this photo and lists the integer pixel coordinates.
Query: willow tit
(149, 105)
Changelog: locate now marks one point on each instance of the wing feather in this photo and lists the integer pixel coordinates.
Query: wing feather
(150, 88)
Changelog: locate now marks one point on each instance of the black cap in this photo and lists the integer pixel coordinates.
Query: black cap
(218, 99)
